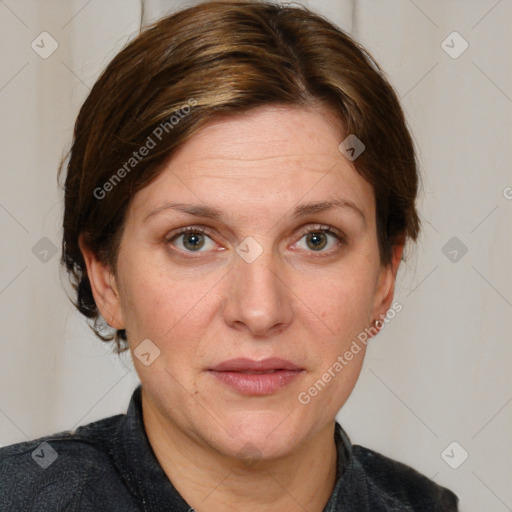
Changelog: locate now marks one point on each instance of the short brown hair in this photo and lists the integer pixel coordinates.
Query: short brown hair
(224, 58)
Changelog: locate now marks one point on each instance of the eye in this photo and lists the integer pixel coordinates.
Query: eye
(319, 238)
(192, 239)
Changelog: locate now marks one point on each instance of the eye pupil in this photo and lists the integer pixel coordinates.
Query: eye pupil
(317, 241)
(193, 241)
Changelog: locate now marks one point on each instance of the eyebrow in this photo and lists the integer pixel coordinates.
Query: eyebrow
(300, 211)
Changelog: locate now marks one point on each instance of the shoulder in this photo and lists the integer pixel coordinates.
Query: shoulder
(403, 484)
(61, 469)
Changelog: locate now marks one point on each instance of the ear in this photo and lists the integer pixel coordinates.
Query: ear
(386, 284)
(103, 286)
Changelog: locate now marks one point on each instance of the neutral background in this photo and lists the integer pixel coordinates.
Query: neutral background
(439, 372)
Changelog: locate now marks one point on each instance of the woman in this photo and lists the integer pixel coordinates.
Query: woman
(238, 196)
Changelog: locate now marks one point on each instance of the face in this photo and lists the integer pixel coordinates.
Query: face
(258, 240)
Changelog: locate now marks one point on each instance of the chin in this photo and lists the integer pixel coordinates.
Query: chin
(260, 434)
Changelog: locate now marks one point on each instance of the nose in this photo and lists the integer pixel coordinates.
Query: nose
(258, 299)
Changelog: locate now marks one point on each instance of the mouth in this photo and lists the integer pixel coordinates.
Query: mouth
(260, 373)
(250, 377)
(268, 365)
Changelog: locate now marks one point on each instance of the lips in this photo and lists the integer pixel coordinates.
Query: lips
(268, 365)
(250, 377)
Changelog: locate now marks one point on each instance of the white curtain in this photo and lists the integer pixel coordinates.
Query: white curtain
(438, 374)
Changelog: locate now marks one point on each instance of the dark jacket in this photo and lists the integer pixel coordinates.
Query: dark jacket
(109, 465)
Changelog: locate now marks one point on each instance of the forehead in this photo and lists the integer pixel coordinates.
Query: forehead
(270, 133)
(267, 158)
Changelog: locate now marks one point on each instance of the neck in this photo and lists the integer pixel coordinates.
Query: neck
(209, 480)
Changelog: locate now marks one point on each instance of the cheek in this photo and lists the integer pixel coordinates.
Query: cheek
(344, 307)
(343, 301)
(160, 306)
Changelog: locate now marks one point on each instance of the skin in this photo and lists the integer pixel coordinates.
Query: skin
(293, 301)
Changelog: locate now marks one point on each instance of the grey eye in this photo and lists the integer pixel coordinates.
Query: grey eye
(316, 240)
(193, 241)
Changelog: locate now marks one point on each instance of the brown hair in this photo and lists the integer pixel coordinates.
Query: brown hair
(224, 57)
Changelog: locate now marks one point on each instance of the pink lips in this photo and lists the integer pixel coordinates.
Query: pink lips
(251, 377)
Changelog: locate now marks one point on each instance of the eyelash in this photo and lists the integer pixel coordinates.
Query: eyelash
(320, 228)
